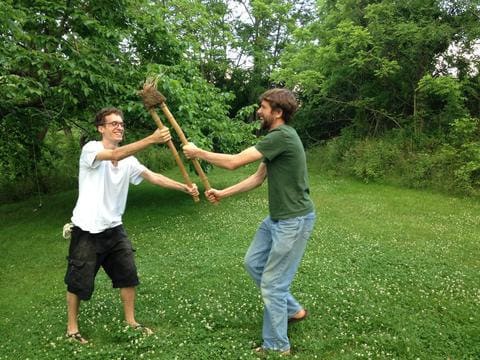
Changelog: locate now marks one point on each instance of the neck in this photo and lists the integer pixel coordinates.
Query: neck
(276, 123)
(107, 144)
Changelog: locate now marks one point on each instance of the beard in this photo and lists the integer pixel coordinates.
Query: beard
(266, 123)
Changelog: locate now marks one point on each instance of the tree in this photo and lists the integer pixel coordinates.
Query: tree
(360, 63)
(203, 27)
(261, 29)
(61, 61)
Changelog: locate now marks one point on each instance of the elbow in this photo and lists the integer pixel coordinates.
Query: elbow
(234, 163)
(259, 181)
(232, 166)
(229, 162)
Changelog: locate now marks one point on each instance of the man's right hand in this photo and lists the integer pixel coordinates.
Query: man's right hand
(161, 136)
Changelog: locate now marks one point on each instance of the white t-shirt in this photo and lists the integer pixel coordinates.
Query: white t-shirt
(103, 189)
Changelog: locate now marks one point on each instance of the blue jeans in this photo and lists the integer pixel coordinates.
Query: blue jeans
(272, 261)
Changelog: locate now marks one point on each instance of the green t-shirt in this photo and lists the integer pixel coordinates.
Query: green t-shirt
(288, 190)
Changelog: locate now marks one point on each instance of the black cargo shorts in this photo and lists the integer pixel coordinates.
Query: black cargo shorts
(110, 249)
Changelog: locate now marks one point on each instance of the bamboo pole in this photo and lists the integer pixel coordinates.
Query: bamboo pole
(184, 141)
(174, 151)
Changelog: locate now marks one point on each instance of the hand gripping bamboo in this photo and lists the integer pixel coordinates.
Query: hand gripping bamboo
(149, 96)
(184, 141)
(152, 98)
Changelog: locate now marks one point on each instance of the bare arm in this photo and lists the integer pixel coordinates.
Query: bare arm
(230, 162)
(160, 136)
(247, 184)
(166, 182)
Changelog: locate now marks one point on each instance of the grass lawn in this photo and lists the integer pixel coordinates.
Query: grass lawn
(389, 273)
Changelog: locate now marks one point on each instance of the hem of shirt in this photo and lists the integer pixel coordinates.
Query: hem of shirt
(96, 231)
(292, 215)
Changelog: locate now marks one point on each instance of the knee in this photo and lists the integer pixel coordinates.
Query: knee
(270, 294)
(273, 288)
(266, 289)
(248, 263)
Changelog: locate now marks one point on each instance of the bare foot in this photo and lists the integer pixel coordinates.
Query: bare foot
(299, 316)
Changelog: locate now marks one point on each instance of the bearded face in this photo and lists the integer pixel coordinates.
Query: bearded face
(266, 115)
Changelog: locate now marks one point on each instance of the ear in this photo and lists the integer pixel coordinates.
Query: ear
(277, 113)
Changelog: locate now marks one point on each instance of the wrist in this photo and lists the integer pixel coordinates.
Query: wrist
(150, 140)
(201, 154)
(221, 194)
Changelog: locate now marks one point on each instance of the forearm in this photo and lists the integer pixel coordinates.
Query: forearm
(227, 161)
(238, 188)
(166, 182)
(130, 149)
(245, 185)
(124, 151)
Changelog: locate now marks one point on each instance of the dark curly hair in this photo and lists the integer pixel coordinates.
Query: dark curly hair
(100, 116)
(281, 99)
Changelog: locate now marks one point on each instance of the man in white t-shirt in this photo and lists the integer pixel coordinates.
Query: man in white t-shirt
(98, 238)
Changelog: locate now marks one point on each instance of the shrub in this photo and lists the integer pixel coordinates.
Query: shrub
(57, 167)
(329, 156)
(157, 158)
(464, 153)
(449, 164)
(371, 159)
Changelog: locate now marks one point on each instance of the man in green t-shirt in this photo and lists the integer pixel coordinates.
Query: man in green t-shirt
(279, 243)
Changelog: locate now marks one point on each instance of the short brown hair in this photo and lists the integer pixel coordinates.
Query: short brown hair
(103, 113)
(281, 99)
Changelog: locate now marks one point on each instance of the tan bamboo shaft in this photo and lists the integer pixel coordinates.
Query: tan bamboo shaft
(184, 141)
(174, 151)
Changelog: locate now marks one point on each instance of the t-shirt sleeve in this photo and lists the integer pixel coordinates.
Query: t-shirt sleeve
(89, 152)
(270, 145)
(136, 170)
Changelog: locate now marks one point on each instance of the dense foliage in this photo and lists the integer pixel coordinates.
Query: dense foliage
(381, 82)
(398, 81)
(374, 66)
(60, 62)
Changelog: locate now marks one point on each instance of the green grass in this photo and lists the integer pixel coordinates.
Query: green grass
(389, 273)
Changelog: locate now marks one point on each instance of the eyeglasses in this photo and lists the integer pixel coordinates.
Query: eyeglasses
(115, 124)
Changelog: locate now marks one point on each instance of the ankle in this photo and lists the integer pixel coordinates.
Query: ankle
(72, 331)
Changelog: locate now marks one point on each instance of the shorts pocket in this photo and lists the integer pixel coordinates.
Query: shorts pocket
(80, 278)
(74, 277)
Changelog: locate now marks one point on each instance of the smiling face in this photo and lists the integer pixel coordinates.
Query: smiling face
(112, 130)
(269, 118)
